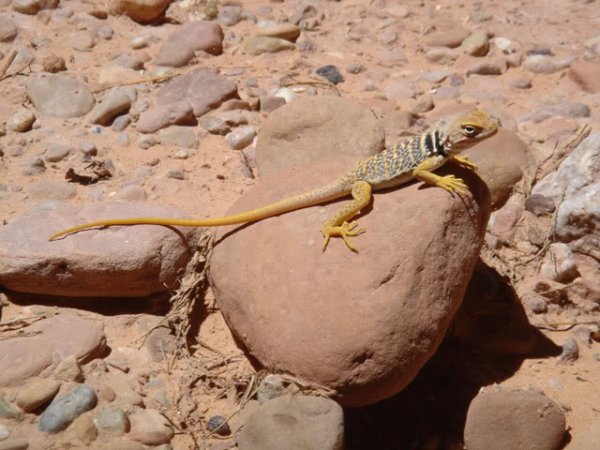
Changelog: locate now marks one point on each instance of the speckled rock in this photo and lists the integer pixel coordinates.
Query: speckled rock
(505, 419)
(114, 262)
(294, 422)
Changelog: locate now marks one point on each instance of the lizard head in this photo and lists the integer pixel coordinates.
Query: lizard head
(462, 131)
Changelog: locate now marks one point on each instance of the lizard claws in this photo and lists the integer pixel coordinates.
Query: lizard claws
(452, 184)
(345, 230)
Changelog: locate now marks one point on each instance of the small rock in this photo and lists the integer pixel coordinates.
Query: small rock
(160, 344)
(36, 392)
(146, 141)
(129, 61)
(440, 55)
(218, 425)
(150, 427)
(285, 31)
(115, 102)
(84, 429)
(294, 422)
(559, 264)
(497, 67)
(587, 75)
(330, 73)
(21, 121)
(4, 433)
(8, 29)
(139, 42)
(176, 174)
(422, 105)
(270, 387)
(537, 305)
(34, 165)
(476, 44)
(178, 137)
(519, 82)
(503, 419)
(57, 152)
(583, 333)
(88, 148)
(179, 48)
(258, 45)
(229, 15)
(8, 411)
(112, 419)
(545, 64)
(59, 95)
(505, 45)
(241, 137)
(69, 370)
(65, 409)
(142, 11)
(82, 41)
(120, 123)
(53, 64)
(32, 7)
(570, 351)
(447, 38)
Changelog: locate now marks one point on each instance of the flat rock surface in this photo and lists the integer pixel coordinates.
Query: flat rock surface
(113, 262)
(362, 324)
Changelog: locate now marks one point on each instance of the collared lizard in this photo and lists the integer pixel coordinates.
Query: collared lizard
(416, 157)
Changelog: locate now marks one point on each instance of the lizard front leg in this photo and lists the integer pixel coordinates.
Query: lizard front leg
(338, 225)
(450, 183)
(463, 161)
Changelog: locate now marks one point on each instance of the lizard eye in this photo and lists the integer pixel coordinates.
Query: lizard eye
(470, 130)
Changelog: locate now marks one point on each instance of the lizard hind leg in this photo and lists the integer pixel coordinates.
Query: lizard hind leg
(338, 225)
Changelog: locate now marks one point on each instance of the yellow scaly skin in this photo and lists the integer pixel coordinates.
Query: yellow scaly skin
(416, 157)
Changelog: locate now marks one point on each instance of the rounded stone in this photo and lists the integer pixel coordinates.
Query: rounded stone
(505, 419)
(364, 324)
(59, 95)
(283, 141)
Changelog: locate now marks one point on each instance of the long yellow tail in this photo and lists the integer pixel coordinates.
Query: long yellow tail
(332, 191)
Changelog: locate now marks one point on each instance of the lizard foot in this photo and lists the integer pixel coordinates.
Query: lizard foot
(464, 161)
(452, 184)
(345, 230)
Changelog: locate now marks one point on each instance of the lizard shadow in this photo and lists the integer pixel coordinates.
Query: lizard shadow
(487, 343)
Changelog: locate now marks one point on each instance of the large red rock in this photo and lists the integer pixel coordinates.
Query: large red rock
(363, 324)
(133, 261)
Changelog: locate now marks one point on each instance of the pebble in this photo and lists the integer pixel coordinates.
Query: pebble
(32, 7)
(271, 103)
(241, 137)
(115, 102)
(120, 123)
(330, 73)
(559, 264)
(139, 42)
(537, 305)
(545, 64)
(88, 148)
(496, 67)
(229, 15)
(161, 116)
(441, 55)
(540, 205)
(285, 31)
(519, 81)
(150, 427)
(84, 429)
(82, 41)
(146, 141)
(129, 61)
(57, 152)
(269, 388)
(143, 11)
(34, 165)
(8, 29)
(570, 351)
(36, 392)
(476, 44)
(180, 47)
(218, 425)
(181, 154)
(9, 411)
(176, 174)
(258, 45)
(112, 419)
(21, 121)
(447, 38)
(583, 333)
(69, 370)
(178, 137)
(65, 409)
(59, 95)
